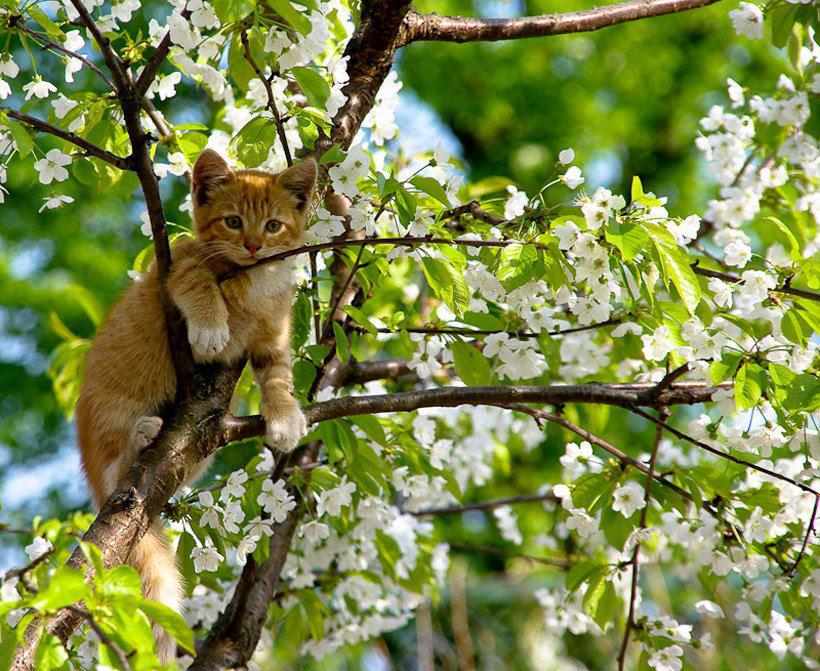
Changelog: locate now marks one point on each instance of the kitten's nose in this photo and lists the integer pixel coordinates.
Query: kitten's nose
(252, 247)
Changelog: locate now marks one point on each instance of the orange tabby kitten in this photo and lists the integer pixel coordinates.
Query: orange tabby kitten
(239, 217)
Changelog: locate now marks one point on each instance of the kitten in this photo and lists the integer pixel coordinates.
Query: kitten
(239, 217)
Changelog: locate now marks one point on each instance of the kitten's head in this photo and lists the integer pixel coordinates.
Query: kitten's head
(246, 215)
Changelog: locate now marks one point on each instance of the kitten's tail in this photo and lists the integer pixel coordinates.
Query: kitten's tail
(161, 581)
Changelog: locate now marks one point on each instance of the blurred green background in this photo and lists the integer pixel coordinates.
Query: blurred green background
(627, 99)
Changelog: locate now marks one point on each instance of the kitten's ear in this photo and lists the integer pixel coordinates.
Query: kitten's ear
(299, 180)
(210, 169)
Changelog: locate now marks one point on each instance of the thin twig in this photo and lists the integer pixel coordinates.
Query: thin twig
(723, 455)
(809, 531)
(488, 549)
(277, 119)
(433, 330)
(122, 658)
(73, 54)
(486, 505)
(647, 499)
(416, 241)
(624, 458)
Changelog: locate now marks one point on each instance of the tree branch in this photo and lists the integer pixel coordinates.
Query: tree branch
(633, 592)
(416, 241)
(809, 530)
(622, 395)
(723, 455)
(277, 119)
(104, 638)
(420, 27)
(90, 149)
(48, 44)
(112, 61)
(486, 505)
(783, 289)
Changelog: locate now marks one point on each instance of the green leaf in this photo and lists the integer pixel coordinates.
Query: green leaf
(229, 11)
(750, 382)
(25, 145)
(607, 605)
(313, 85)
(432, 187)
(589, 488)
(304, 372)
(515, 265)
(296, 18)
(170, 621)
(723, 370)
(120, 581)
(90, 304)
(796, 326)
(794, 245)
(471, 365)
(616, 527)
(782, 19)
(333, 155)
(581, 572)
(342, 344)
(93, 555)
(361, 319)
(185, 562)
(51, 655)
(676, 267)
(449, 285)
(628, 236)
(315, 612)
(42, 18)
(66, 586)
(302, 314)
(372, 428)
(253, 143)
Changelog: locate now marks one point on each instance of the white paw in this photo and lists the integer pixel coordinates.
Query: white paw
(286, 427)
(145, 430)
(208, 341)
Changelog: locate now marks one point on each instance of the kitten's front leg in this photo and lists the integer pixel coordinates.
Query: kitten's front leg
(285, 422)
(194, 290)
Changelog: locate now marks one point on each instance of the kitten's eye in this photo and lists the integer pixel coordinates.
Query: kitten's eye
(273, 226)
(233, 222)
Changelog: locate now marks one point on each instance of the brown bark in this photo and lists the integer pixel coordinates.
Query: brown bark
(419, 27)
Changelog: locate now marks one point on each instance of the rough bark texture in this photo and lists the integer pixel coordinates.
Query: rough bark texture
(419, 27)
(191, 433)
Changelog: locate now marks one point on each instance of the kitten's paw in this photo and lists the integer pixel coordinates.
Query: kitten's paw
(208, 341)
(145, 430)
(286, 426)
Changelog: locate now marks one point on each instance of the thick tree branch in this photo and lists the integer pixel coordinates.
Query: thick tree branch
(418, 27)
(622, 395)
(370, 51)
(90, 149)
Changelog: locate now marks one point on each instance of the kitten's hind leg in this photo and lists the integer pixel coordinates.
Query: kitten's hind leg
(146, 428)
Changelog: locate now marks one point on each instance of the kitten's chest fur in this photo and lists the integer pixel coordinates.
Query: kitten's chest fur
(259, 303)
